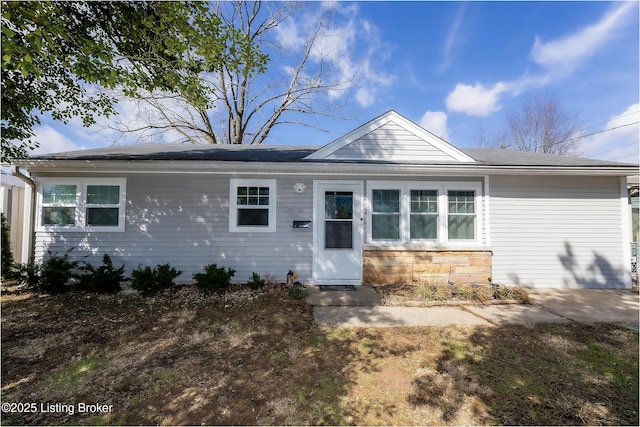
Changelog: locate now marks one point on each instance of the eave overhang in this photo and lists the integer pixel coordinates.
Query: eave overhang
(315, 168)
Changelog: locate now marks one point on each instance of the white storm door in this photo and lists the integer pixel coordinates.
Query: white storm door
(337, 220)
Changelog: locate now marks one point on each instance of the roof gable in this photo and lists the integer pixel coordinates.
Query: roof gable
(390, 137)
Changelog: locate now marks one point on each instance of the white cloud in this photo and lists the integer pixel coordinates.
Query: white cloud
(566, 53)
(350, 46)
(558, 58)
(452, 38)
(52, 141)
(365, 97)
(334, 42)
(619, 140)
(287, 35)
(475, 100)
(138, 121)
(436, 123)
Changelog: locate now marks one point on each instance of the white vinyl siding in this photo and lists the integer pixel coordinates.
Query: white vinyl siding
(391, 142)
(557, 231)
(184, 220)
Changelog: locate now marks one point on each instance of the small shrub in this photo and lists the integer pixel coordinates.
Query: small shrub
(434, 292)
(5, 248)
(150, 281)
(214, 278)
(521, 295)
(465, 292)
(512, 293)
(27, 275)
(55, 273)
(297, 292)
(482, 294)
(255, 281)
(271, 280)
(104, 279)
(502, 292)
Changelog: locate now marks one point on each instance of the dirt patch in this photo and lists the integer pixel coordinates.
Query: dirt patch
(256, 358)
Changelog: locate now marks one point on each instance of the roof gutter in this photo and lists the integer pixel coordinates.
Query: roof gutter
(28, 235)
(313, 168)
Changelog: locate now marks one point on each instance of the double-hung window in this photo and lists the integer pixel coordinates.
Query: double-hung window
(252, 205)
(423, 221)
(424, 212)
(462, 215)
(103, 205)
(385, 215)
(59, 204)
(96, 204)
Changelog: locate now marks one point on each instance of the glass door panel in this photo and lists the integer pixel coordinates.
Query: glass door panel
(338, 214)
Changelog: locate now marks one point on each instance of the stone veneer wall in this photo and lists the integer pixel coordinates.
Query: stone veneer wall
(393, 267)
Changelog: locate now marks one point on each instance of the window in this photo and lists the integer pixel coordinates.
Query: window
(252, 205)
(385, 215)
(423, 212)
(103, 205)
(59, 204)
(461, 215)
(82, 205)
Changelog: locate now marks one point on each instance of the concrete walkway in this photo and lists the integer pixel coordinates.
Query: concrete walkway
(361, 308)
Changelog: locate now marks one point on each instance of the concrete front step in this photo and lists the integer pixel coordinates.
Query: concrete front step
(361, 296)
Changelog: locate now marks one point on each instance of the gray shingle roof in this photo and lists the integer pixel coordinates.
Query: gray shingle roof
(499, 157)
(244, 153)
(272, 153)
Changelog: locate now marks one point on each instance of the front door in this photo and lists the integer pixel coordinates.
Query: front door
(337, 232)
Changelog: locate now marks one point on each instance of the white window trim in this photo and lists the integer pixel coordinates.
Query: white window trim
(371, 215)
(408, 215)
(443, 187)
(234, 183)
(385, 185)
(81, 204)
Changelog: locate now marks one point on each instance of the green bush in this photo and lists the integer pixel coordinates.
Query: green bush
(104, 279)
(27, 274)
(150, 281)
(297, 292)
(214, 278)
(55, 272)
(255, 281)
(5, 248)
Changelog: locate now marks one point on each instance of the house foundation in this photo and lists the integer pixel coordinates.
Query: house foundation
(395, 267)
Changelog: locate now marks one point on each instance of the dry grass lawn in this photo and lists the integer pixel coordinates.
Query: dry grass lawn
(256, 357)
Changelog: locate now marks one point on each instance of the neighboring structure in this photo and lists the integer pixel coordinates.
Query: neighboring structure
(387, 203)
(12, 197)
(634, 198)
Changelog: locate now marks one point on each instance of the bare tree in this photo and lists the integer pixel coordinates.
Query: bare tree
(541, 125)
(244, 106)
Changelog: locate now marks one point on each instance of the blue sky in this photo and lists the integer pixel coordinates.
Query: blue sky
(456, 67)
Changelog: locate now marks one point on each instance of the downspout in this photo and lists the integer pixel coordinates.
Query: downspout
(28, 235)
